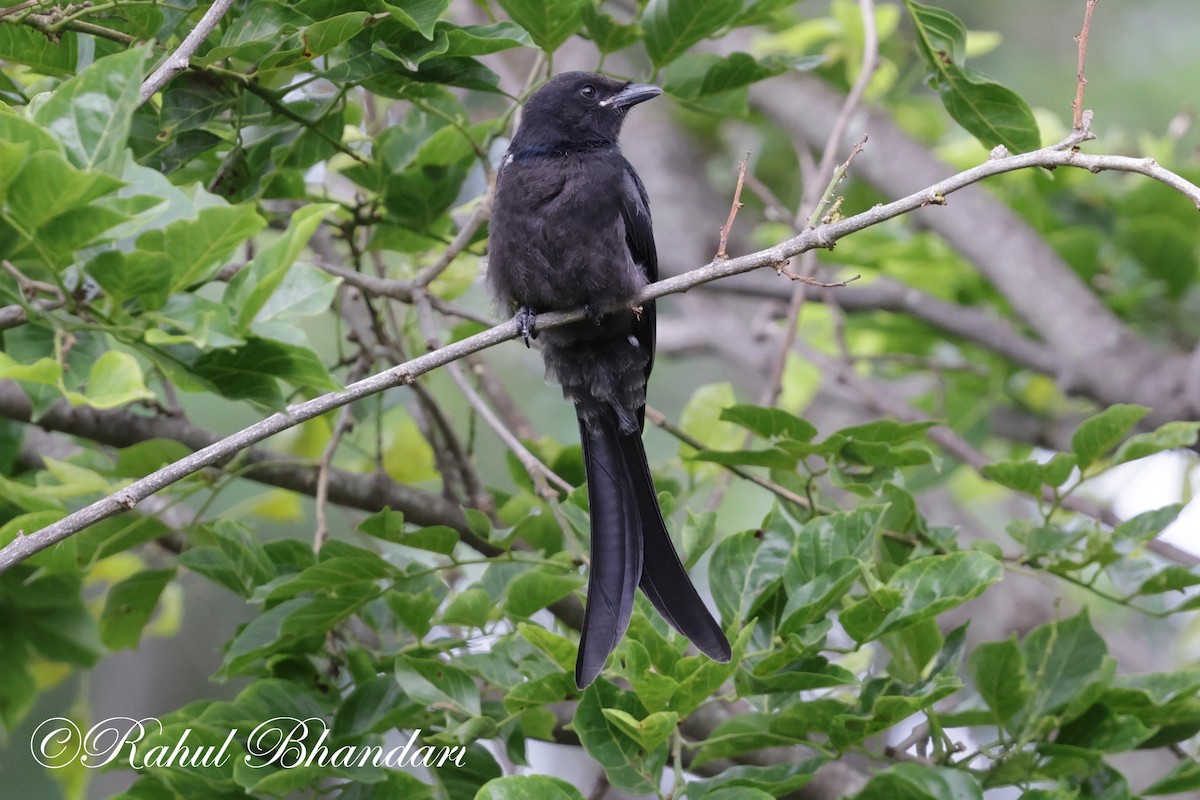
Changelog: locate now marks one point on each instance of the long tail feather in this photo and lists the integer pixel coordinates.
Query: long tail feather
(664, 579)
(616, 565)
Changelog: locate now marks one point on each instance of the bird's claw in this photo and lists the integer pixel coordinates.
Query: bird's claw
(527, 323)
(596, 315)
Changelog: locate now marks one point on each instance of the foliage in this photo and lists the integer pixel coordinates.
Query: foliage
(190, 257)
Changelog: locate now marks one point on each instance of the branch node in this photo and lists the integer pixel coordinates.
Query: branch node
(126, 500)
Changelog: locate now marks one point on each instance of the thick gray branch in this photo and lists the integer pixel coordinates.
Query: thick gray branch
(178, 60)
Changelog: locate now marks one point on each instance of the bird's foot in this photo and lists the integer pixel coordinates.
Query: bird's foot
(527, 323)
(596, 315)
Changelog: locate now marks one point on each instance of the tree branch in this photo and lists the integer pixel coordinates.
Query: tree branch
(822, 236)
(177, 61)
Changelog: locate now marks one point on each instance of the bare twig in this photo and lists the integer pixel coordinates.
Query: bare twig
(1080, 81)
(783, 269)
(539, 473)
(825, 207)
(177, 61)
(822, 236)
(870, 60)
(344, 422)
(733, 208)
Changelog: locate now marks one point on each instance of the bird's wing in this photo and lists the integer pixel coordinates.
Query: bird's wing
(639, 236)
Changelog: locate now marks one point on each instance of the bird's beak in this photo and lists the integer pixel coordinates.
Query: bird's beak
(632, 94)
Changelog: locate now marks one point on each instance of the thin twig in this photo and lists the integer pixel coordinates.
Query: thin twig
(783, 269)
(539, 473)
(480, 215)
(870, 61)
(345, 422)
(827, 201)
(177, 61)
(733, 208)
(1082, 39)
(1063, 154)
(660, 420)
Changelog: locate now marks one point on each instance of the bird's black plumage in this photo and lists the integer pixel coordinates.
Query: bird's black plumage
(571, 228)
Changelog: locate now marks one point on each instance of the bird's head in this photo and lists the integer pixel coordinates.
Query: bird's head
(577, 110)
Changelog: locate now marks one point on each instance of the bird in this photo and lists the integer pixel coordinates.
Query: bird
(571, 228)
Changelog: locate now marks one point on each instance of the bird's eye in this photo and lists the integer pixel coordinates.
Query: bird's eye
(588, 92)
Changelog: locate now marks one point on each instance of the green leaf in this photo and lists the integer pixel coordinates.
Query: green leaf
(471, 607)
(528, 787)
(560, 649)
(1147, 525)
(129, 606)
(769, 423)
(1171, 436)
(1185, 777)
(650, 733)
(672, 26)
(432, 681)
(1062, 660)
(1165, 248)
(779, 780)
(258, 282)
(326, 34)
(999, 672)
(918, 782)
(249, 372)
(23, 45)
(534, 590)
(115, 380)
(696, 76)
(176, 257)
(745, 569)
(91, 113)
(420, 15)
(1172, 578)
(1097, 435)
(990, 112)
(628, 767)
(549, 22)
(606, 33)
(927, 587)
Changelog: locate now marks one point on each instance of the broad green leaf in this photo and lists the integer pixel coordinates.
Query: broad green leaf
(326, 34)
(606, 33)
(745, 569)
(420, 15)
(769, 423)
(249, 372)
(549, 22)
(528, 787)
(1101, 729)
(927, 587)
(259, 281)
(672, 26)
(1172, 578)
(1149, 524)
(305, 290)
(999, 672)
(1170, 436)
(534, 590)
(990, 112)
(92, 112)
(1185, 777)
(129, 606)
(1097, 435)
(920, 782)
(24, 45)
(650, 732)
(1063, 659)
(48, 186)
(471, 607)
(780, 780)
(177, 256)
(1165, 248)
(627, 766)
(336, 575)
(115, 380)
(696, 76)
(430, 681)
